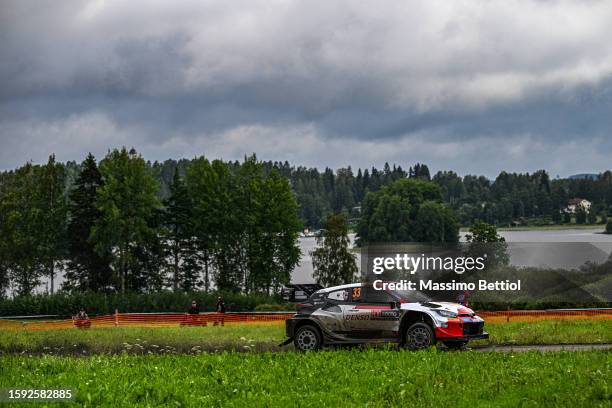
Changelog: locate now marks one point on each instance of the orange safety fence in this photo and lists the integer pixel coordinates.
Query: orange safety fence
(274, 318)
(507, 316)
(152, 320)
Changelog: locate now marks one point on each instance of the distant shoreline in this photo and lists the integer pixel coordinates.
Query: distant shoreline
(548, 227)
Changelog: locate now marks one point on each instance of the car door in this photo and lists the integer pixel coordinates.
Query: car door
(372, 314)
(331, 313)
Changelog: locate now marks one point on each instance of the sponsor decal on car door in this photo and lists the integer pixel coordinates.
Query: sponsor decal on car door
(370, 315)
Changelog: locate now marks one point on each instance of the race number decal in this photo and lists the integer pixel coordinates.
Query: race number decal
(356, 293)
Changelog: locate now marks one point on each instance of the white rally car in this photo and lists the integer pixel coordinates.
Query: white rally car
(358, 313)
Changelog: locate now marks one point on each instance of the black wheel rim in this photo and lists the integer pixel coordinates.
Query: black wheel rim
(419, 338)
(307, 340)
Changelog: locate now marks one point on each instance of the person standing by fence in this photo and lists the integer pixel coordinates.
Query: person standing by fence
(220, 310)
(81, 320)
(194, 309)
(192, 314)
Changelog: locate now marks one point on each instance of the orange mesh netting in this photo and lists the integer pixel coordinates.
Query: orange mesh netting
(213, 319)
(550, 314)
(152, 320)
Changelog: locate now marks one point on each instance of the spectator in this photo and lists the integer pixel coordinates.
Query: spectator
(221, 310)
(81, 320)
(220, 305)
(462, 298)
(82, 315)
(194, 309)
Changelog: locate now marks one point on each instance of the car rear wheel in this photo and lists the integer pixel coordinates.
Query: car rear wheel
(307, 338)
(419, 336)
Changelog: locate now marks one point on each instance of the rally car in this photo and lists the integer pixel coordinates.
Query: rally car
(359, 313)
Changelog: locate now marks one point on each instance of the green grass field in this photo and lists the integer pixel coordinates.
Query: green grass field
(336, 378)
(259, 338)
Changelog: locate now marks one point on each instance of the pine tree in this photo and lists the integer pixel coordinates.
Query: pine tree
(5, 246)
(332, 260)
(217, 224)
(51, 203)
(183, 262)
(87, 269)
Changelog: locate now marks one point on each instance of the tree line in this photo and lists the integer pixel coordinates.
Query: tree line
(233, 226)
(513, 197)
(508, 199)
(126, 224)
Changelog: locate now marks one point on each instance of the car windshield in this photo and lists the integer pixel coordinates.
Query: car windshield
(411, 296)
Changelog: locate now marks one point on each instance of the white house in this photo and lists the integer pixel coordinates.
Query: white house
(574, 203)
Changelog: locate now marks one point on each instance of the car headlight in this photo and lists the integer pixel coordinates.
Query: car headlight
(446, 313)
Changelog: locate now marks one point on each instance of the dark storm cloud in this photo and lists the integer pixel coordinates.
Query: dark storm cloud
(474, 86)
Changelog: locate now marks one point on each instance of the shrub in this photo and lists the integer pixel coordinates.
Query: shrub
(609, 227)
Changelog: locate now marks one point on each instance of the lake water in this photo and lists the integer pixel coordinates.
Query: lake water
(527, 248)
(542, 248)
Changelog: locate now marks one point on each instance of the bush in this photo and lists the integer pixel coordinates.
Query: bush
(609, 227)
(592, 217)
(67, 304)
(581, 216)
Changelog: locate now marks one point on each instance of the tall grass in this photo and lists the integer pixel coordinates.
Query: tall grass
(194, 340)
(339, 378)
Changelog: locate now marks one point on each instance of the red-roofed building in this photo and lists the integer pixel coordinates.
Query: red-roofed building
(574, 203)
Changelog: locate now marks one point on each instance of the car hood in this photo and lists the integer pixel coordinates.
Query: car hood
(449, 306)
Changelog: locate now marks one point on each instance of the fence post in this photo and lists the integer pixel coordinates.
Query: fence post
(116, 317)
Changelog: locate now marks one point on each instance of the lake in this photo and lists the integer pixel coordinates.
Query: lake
(527, 248)
(543, 248)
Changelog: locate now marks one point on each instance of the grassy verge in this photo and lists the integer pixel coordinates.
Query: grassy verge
(550, 332)
(340, 378)
(259, 338)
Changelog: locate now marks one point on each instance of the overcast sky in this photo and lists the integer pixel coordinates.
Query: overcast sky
(472, 86)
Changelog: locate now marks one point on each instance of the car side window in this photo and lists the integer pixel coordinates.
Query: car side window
(377, 296)
(339, 295)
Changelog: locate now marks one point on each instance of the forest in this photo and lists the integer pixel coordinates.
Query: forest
(509, 199)
(125, 224)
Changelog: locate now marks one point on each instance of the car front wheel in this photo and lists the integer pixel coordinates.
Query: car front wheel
(307, 338)
(419, 336)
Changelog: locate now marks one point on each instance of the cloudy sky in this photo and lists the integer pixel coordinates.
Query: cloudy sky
(472, 86)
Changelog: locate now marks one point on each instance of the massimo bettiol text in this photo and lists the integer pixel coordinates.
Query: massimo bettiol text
(411, 264)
